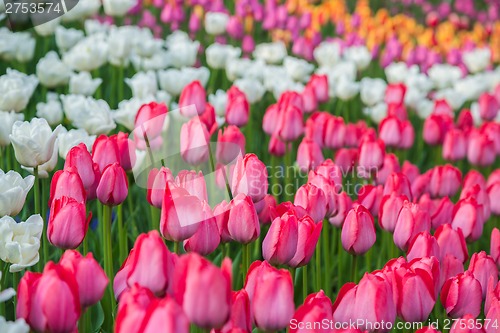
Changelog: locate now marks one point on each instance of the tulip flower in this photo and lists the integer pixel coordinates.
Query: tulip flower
(157, 181)
(264, 208)
(396, 133)
(358, 231)
(411, 220)
(444, 181)
(483, 268)
(41, 296)
(33, 142)
(250, 178)
(450, 267)
(194, 142)
(455, 145)
(276, 146)
(309, 99)
(206, 296)
(126, 150)
(423, 245)
(290, 125)
(397, 182)
(237, 109)
(391, 165)
(329, 189)
(280, 244)
(320, 85)
(270, 119)
(14, 190)
(193, 94)
(81, 161)
(395, 94)
(308, 236)
(68, 223)
(230, 144)
(371, 302)
(67, 183)
(462, 295)
(243, 223)
(468, 216)
(89, 276)
(495, 246)
(164, 314)
(134, 301)
(193, 182)
(241, 315)
(390, 207)
(317, 308)
(371, 155)
(105, 152)
(481, 149)
(344, 205)
(113, 186)
(488, 106)
(442, 212)
(309, 155)
(313, 200)
(435, 128)
(148, 124)
(370, 197)
(452, 242)
(334, 132)
(207, 238)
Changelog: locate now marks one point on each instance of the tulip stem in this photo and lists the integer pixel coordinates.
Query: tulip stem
(304, 282)
(354, 268)
(317, 271)
(36, 199)
(177, 248)
(326, 255)
(3, 283)
(340, 262)
(122, 234)
(108, 266)
(155, 218)
(245, 260)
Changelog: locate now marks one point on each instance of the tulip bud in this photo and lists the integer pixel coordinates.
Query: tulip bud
(495, 246)
(309, 155)
(371, 155)
(370, 197)
(397, 182)
(320, 85)
(435, 128)
(126, 150)
(411, 220)
(468, 216)
(309, 99)
(444, 181)
(423, 245)
(450, 267)
(390, 166)
(105, 152)
(462, 295)
(280, 243)
(148, 125)
(313, 200)
(157, 181)
(164, 314)
(483, 268)
(317, 308)
(80, 160)
(113, 186)
(452, 242)
(250, 178)
(395, 94)
(276, 146)
(481, 149)
(290, 124)
(230, 144)
(241, 315)
(344, 205)
(243, 223)
(454, 145)
(207, 238)
(67, 183)
(194, 142)
(193, 93)
(91, 279)
(237, 109)
(132, 309)
(488, 106)
(264, 208)
(389, 211)
(358, 231)
(308, 236)
(334, 132)
(68, 223)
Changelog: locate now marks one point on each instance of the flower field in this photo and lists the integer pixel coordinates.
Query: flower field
(249, 166)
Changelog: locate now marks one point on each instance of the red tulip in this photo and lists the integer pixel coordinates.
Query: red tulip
(461, 295)
(358, 231)
(181, 214)
(67, 183)
(148, 125)
(371, 302)
(79, 159)
(308, 236)
(455, 145)
(280, 244)
(241, 315)
(389, 211)
(488, 106)
(193, 94)
(42, 296)
(237, 109)
(243, 223)
(150, 264)
(113, 186)
(411, 220)
(313, 200)
(468, 216)
(309, 155)
(317, 308)
(495, 246)
(444, 181)
(423, 245)
(91, 279)
(250, 178)
(483, 268)
(126, 150)
(194, 142)
(105, 152)
(290, 124)
(230, 144)
(207, 238)
(451, 241)
(203, 291)
(68, 223)
(157, 181)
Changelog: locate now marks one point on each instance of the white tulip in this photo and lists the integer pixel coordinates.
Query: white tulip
(173, 80)
(119, 46)
(298, 69)
(13, 192)
(454, 98)
(18, 326)
(397, 72)
(413, 96)
(273, 75)
(372, 91)
(16, 90)
(215, 23)
(143, 84)
(327, 54)
(236, 68)
(253, 89)
(117, 7)
(52, 72)
(51, 110)
(425, 108)
(218, 55)
(48, 28)
(219, 102)
(7, 119)
(88, 54)
(476, 115)
(95, 27)
(419, 81)
(471, 87)
(158, 61)
(127, 111)
(377, 112)
(477, 60)
(359, 55)
(45, 169)
(177, 37)
(8, 44)
(346, 89)
(444, 75)
(66, 38)
(33, 141)
(92, 115)
(25, 46)
(20, 242)
(183, 54)
(82, 10)
(271, 53)
(69, 139)
(83, 84)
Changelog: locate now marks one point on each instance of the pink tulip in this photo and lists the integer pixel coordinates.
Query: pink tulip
(467, 324)
(450, 267)
(276, 146)
(423, 245)
(230, 144)
(280, 244)
(455, 145)
(389, 211)
(317, 308)
(290, 125)
(308, 236)
(328, 187)
(444, 181)
(428, 329)
(164, 315)
(481, 150)
(483, 268)
(41, 296)
(391, 165)
(435, 128)
(157, 181)
(237, 109)
(250, 178)
(488, 106)
(193, 94)
(309, 155)
(493, 316)
(345, 159)
(241, 315)
(370, 197)
(411, 221)
(395, 94)
(452, 242)
(68, 223)
(371, 155)
(410, 170)
(193, 182)
(313, 200)
(320, 85)
(468, 216)
(309, 99)
(132, 309)
(113, 186)
(344, 205)
(331, 171)
(79, 159)
(334, 132)
(243, 223)
(461, 295)
(194, 142)
(105, 152)
(494, 192)
(126, 150)
(203, 291)
(358, 231)
(264, 208)
(441, 212)
(495, 246)
(396, 133)
(148, 125)
(67, 183)
(91, 279)
(207, 238)
(270, 119)
(397, 182)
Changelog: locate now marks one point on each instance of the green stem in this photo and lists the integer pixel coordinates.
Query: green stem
(45, 241)
(177, 248)
(2, 285)
(155, 218)
(122, 234)
(305, 284)
(354, 268)
(245, 261)
(326, 255)
(108, 266)
(288, 182)
(317, 271)
(340, 267)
